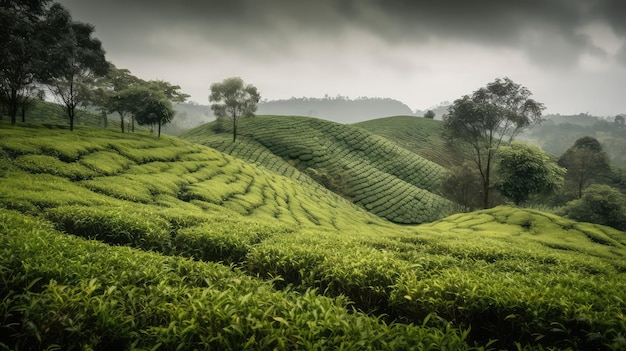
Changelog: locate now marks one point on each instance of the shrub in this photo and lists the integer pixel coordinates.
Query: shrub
(599, 204)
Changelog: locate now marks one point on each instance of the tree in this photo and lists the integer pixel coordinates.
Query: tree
(31, 94)
(524, 170)
(463, 185)
(585, 161)
(170, 91)
(429, 114)
(22, 51)
(149, 106)
(599, 204)
(232, 100)
(76, 59)
(491, 117)
(115, 83)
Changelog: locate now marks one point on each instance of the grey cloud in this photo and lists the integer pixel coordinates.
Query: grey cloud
(286, 24)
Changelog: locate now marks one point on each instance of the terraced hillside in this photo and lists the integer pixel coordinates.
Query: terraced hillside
(44, 112)
(417, 134)
(370, 171)
(125, 241)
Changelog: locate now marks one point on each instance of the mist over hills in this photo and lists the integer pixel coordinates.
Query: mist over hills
(337, 109)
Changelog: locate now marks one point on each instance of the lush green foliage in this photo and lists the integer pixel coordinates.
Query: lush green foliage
(232, 100)
(61, 291)
(490, 118)
(557, 136)
(378, 175)
(599, 204)
(585, 162)
(524, 170)
(500, 278)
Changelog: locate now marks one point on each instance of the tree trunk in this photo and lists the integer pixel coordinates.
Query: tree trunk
(70, 112)
(234, 129)
(159, 132)
(105, 120)
(132, 119)
(12, 106)
(486, 181)
(121, 120)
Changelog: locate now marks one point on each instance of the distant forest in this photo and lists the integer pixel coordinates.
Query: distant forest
(558, 132)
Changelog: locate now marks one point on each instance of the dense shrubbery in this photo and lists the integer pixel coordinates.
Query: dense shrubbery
(526, 278)
(599, 204)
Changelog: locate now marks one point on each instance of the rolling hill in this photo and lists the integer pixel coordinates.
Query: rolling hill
(417, 134)
(126, 241)
(370, 171)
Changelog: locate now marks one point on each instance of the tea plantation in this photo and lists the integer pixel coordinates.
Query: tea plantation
(370, 171)
(126, 241)
(417, 134)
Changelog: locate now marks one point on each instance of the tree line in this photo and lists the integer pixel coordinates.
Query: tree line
(44, 50)
(580, 183)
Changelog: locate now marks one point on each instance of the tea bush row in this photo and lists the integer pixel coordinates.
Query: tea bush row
(345, 159)
(64, 292)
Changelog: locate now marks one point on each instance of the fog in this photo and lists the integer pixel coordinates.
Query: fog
(570, 54)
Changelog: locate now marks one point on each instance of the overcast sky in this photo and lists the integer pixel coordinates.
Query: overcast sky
(571, 54)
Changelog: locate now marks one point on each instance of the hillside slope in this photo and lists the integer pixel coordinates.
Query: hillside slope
(97, 229)
(372, 172)
(417, 134)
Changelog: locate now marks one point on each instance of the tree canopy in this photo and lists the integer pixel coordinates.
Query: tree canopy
(23, 38)
(491, 117)
(149, 106)
(585, 161)
(232, 99)
(599, 204)
(524, 170)
(76, 58)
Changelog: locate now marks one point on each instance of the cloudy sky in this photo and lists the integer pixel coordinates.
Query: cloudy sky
(570, 53)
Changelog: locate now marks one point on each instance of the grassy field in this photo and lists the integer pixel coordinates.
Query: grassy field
(417, 134)
(379, 176)
(126, 241)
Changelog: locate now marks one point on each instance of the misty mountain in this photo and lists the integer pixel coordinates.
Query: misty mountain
(338, 109)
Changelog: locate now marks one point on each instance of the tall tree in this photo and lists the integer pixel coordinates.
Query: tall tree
(77, 58)
(32, 93)
(231, 99)
(524, 170)
(22, 50)
(491, 117)
(150, 106)
(586, 162)
(116, 82)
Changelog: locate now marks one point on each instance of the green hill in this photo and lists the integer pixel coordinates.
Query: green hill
(370, 171)
(125, 241)
(417, 134)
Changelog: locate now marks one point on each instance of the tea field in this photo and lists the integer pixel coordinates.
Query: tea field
(126, 241)
(417, 134)
(377, 175)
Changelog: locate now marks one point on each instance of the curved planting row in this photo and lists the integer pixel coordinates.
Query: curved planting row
(142, 169)
(526, 278)
(417, 134)
(64, 292)
(374, 173)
